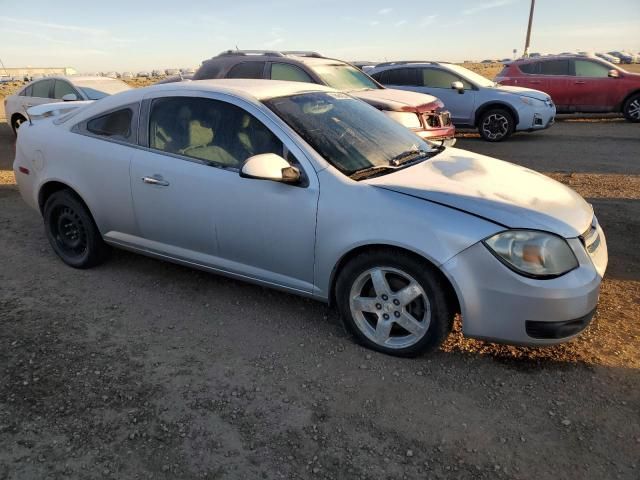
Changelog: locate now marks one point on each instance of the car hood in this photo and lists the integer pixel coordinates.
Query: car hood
(524, 92)
(398, 100)
(504, 193)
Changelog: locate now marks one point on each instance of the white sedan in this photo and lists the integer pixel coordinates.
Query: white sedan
(58, 89)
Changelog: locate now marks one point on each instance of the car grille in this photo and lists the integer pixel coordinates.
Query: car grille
(591, 238)
(437, 120)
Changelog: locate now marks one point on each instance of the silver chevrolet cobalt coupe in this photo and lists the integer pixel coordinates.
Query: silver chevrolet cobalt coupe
(306, 189)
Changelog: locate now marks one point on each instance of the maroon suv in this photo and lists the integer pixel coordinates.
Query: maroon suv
(578, 84)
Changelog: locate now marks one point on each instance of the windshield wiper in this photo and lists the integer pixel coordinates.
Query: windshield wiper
(411, 155)
(370, 172)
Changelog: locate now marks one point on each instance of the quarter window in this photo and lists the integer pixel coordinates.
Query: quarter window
(247, 70)
(554, 67)
(114, 125)
(435, 78)
(585, 68)
(41, 89)
(284, 71)
(215, 132)
(62, 88)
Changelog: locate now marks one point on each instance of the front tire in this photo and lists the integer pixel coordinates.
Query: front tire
(631, 109)
(496, 125)
(393, 303)
(71, 231)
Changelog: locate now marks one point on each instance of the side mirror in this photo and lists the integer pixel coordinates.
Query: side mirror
(269, 166)
(459, 86)
(614, 73)
(69, 97)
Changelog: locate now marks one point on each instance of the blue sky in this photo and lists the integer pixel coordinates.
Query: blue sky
(139, 34)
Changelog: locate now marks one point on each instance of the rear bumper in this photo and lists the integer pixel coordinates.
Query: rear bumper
(500, 305)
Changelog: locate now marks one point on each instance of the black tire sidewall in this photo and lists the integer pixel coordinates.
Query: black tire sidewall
(441, 314)
(507, 114)
(96, 248)
(14, 124)
(627, 104)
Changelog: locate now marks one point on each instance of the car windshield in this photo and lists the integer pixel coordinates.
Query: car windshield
(350, 134)
(344, 77)
(473, 77)
(99, 88)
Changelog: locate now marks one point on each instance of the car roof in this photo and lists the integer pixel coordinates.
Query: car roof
(77, 79)
(250, 89)
(554, 57)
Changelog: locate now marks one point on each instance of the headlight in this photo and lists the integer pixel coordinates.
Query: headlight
(531, 101)
(532, 253)
(408, 119)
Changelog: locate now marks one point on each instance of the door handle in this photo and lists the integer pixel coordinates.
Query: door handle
(535, 82)
(579, 82)
(155, 181)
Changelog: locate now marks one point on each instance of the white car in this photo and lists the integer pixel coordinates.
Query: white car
(58, 89)
(301, 187)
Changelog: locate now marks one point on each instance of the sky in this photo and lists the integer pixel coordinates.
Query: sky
(139, 35)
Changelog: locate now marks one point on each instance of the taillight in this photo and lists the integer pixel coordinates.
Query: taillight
(24, 170)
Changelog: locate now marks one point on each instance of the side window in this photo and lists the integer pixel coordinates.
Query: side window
(27, 92)
(532, 68)
(585, 68)
(554, 67)
(284, 71)
(247, 70)
(402, 76)
(114, 125)
(381, 76)
(61, 88)
(436, 78)
(41, 89)
(216, 132)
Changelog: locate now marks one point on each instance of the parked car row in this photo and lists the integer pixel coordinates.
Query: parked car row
(449, 95)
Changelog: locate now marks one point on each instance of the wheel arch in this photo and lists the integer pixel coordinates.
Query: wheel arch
(14, 117)
(496, 104)
(52, 186)
(451, 293)
(626, 99)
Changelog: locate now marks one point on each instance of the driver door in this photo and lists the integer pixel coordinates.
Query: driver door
(191, 203)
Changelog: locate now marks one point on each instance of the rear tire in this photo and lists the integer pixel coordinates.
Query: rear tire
(71, 231)
(16, 121)
(394, 303)
(496, 125)
(631, 109)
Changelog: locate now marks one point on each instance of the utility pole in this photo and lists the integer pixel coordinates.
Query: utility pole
(526, 45)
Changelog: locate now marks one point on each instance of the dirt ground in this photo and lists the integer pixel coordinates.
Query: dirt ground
(144, 369)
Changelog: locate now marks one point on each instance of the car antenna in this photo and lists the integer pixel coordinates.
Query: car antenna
(3, 67)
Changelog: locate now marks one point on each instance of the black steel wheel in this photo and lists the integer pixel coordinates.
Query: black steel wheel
(72, 232)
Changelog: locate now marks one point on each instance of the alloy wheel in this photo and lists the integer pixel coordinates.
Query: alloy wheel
(495, 126)
(390, 307)
(633, 110)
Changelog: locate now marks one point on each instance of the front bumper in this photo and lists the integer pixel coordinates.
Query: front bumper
(536, 118)
(499, 305)
(437, 133)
